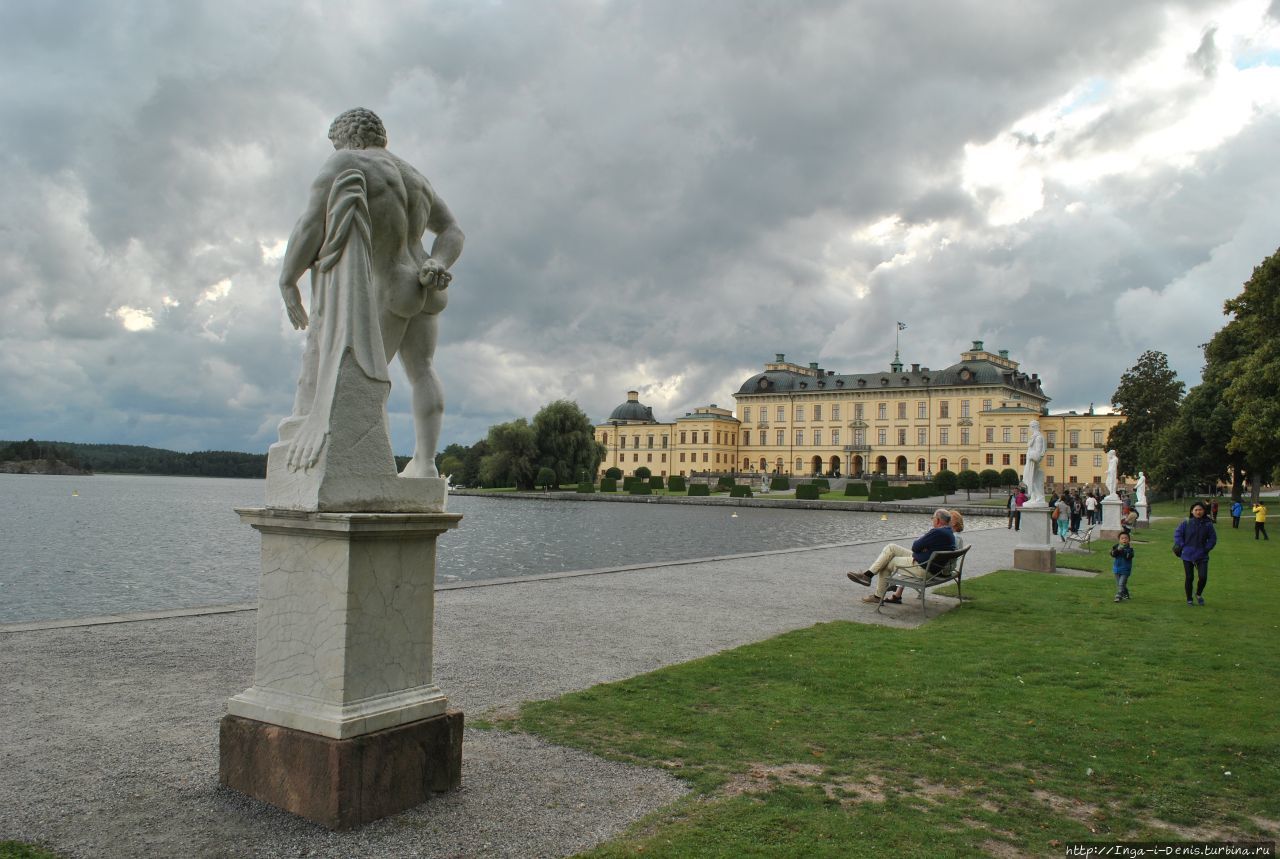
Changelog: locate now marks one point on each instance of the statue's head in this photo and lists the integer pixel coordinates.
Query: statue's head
(358, 128)
(1035, 426)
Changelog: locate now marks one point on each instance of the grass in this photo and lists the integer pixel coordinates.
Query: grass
(20, 850)
(1038, 713)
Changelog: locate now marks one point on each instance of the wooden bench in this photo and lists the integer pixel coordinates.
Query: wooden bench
(949, 564)
(1080, 540)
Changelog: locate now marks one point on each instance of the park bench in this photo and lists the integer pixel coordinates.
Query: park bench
(1080, 540)
(948, 563)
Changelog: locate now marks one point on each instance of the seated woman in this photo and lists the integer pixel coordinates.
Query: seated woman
(957, 525)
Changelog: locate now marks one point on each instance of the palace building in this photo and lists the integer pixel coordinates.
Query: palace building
(901, 422)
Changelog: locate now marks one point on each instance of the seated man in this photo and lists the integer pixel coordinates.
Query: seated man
(895, 559)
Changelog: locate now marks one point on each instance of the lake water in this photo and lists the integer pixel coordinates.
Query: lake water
(83, 546)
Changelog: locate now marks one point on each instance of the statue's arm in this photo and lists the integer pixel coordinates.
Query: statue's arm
(304, 244)
(446, 248)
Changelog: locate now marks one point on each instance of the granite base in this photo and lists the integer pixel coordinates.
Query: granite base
(1035, 560)
(342, 784)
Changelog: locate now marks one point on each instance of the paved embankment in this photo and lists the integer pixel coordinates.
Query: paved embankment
(110, 730)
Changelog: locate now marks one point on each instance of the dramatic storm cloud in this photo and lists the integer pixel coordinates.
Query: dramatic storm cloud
(658, 195)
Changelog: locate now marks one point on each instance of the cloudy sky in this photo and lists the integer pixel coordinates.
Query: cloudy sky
(656, 195)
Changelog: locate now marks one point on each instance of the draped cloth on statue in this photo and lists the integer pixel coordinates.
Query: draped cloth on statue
(344, 303)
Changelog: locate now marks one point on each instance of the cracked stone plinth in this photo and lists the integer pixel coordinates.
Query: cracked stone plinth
(345, 611)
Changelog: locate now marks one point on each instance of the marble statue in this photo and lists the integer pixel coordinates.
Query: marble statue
(376, 291)
(1113, 474)
(1140, 489)
(1032, 472)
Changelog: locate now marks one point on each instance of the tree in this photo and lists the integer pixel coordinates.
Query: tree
(1009, 477)
(945, 480)
(546, 478)
(968, 480)
(513, 455)
(566, 441)
(613, 473)
(1148, 397)
(990, 479)
(1255, 372)
(643, 472)
(1191, 453)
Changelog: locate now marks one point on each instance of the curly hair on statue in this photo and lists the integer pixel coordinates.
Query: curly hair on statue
(358, 128)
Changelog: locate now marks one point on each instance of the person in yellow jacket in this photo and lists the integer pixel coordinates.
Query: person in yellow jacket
(1260, 521)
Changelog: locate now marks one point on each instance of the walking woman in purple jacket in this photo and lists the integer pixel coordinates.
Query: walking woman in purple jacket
(1192, 542)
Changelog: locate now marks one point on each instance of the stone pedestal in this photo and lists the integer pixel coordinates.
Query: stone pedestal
(1144, 516)
(1112, 510)
(1034, 551)
(345, 615)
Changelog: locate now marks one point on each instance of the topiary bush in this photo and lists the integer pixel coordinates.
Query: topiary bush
(740, 492)
(699, 490)
(644, 472)
(780, 483)
(676, 483)
(628, 482)
(586, 488)
(808, 492)
(608, 484)
(655, 482)
(858, 489)
(821, 482)
(724, 481)
(614, 473)
(640, 488)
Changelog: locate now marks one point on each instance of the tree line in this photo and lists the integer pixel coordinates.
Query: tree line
(1227, 428)
(137, 459)
(557, 447)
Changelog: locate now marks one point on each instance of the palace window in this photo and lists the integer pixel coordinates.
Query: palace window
(604, 438)
(817, 412)
(835, 412)
(717, 436)
(944, 409)
(1022, 434)
(986, 407)
(746, 414)
(902, 411)
(964, 408)
(1074, 437)
(746, 438)
(1097, 460)
(648, 457)
(706, 436)
(664, 442)
(682, 457)
(817, 437)
(922, 436)
(799, 466)
(1022, 459)
(650, 442)
(1048, 460)
(1097, 438)
(944, 435)
(664, 457)
(922, 410)
(902, 437)
(920, 466)
(683, 439)
(705, 458)
(835, 437)
(782, 413)
(991, 435)
(882, 412)
(1073, 460)
(799, 413)
(1006, 434)
(882, 437)
(964, 464)
(857, 411)
(964, 435)
(781, 438)
(991, 459)
(1051, 438)
(623, 440)
(799, 436)
(1004, 459)
(635, 457)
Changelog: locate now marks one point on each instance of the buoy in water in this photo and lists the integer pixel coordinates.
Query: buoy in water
(733, 515)
(884, 517)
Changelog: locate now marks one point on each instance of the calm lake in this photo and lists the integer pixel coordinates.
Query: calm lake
(83, 546)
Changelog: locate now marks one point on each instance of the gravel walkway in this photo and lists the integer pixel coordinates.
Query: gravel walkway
(110, 731)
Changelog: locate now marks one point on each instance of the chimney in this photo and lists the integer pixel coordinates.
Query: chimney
(977, 346)
(915, 368)
(781, 358)
(633, 396)
(1004, 353)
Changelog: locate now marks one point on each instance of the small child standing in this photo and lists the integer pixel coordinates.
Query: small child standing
(1122, 566)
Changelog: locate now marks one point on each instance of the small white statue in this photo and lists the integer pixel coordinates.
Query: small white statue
(1140, 489)
(1032, 473)
(1113, 474)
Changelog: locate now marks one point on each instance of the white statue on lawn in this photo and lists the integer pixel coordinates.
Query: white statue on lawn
(1140, 489)
(1113, 475)
(1032, 473)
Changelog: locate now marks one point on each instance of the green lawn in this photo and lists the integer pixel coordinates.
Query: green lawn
(1038, 713)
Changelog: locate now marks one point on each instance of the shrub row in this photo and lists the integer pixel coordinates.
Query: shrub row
(857, 488)
(902, 493)
(608, 484)
(699, 490)
(740, 492)
(586, 488)
(779, 483)
(676, 483)
(808, 492)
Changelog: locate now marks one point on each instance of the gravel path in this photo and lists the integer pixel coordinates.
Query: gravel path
(109, 745)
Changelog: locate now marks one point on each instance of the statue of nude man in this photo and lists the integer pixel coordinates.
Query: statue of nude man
(1032, 473)
(408, 282)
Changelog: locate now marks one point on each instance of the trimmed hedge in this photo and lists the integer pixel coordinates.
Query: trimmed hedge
(655, 482)
(740, 492)
(629, 482)
(639, 488)
(779, 483)
(822, 482)
(725, 482)
(808, 492)
(859, 489)
(608, 484)
(676, 484)
(586, 488)
(614, 473)
(699, 490)
(644, 472)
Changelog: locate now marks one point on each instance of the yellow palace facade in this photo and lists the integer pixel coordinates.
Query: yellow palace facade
(902, 422)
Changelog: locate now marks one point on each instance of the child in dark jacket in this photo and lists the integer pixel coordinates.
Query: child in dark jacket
(1122, 566)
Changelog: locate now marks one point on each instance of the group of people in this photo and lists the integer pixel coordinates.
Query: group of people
(1069, 510)
(1259, 518)
(943, 535)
